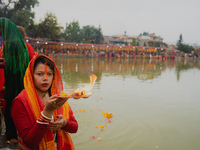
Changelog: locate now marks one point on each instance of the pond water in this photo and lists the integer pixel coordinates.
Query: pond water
(155, 103)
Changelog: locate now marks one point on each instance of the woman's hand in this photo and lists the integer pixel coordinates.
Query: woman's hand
(53, 103)
(59, 123)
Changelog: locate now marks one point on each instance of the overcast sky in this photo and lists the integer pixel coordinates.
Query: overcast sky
(165, 18)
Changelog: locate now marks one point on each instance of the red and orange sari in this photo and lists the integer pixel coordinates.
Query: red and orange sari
(34, 107)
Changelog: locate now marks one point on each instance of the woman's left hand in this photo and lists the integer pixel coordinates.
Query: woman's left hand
(52, 103)
(58, 124)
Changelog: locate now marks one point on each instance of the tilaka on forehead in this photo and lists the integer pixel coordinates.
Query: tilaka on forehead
(45, 70)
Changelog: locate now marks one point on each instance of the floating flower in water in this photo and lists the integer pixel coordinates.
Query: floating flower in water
(98, 139)
(107, 115)
(101, 129)
(109, 121)
(93, 137)
(101, 98)
(105, 125)
(96, 127)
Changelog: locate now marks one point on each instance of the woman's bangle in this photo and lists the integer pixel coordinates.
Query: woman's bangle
(42, 122)
(46, 116)
(42, 119)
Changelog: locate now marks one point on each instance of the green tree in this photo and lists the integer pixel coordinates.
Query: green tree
(24, 18)
(48, 28)
(18, 11)
(186, 48)
(92, 34)
(180, 41)
(72, 32)
(98, 36)
(183, 47)
(32, 30)
(134, 42)
(88, 33)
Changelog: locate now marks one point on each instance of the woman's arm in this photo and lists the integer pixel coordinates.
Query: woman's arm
(31, 134)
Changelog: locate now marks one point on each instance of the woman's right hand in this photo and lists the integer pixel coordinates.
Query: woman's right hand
(54, 102)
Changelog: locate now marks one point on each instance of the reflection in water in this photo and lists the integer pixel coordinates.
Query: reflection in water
(143, 69)
(160, 114)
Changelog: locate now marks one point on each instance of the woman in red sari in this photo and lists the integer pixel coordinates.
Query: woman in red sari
(42, 118)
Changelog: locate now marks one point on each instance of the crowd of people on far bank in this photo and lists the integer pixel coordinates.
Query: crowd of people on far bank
(35, 116)
(114, 53)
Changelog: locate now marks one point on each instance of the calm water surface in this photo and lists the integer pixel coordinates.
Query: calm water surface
(155, 103)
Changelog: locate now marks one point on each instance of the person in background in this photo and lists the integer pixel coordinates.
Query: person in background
(1, 40)
(2, 90)
(14, 63)
(31, 52)
(42, 118)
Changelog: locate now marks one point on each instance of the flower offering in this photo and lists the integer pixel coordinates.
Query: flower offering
(82, 92)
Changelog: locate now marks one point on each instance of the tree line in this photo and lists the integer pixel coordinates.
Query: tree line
(184, 47)
(20, 12)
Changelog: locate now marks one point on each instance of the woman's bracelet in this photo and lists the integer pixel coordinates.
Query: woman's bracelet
(42, 122)
(46, 116)
(44, 119)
